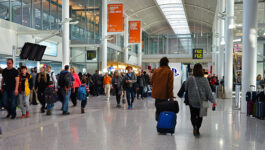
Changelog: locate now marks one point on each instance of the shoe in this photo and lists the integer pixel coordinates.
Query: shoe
(118, 106)
(196, 132)
(82, 110)
(13, 117)
(49, 112)
(23, 116)
(66, 113)
(129, 107)
(42, 110)
(27, 114)
(8, 115)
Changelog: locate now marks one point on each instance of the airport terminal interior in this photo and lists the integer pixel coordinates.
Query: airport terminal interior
(118, 53)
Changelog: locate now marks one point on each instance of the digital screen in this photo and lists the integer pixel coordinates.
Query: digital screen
(51, 48)
(91, 54)
(197, 53)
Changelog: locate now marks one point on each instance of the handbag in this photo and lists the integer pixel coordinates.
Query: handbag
(203, 104)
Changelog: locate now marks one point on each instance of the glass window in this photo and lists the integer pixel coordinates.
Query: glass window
(26, 21)
(4, 9)
(37, 14)
(17, 11)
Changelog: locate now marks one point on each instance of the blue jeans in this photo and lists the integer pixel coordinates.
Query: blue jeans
(130, 94)
(66, 97)
(50, 106)
(10, 102)
(140, 92)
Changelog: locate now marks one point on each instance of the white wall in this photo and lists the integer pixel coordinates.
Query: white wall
(9, 38)
(177, 79)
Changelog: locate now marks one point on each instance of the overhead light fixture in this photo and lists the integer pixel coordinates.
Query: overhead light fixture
(237, 40)
(175, 15)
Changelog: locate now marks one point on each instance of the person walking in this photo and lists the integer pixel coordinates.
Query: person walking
(141, 82)
(52, 77)
(130, 79)
(66, 83)
(162, 82)
(33, 98)
(41, 84)
(77, 84)
(9, 88)
(82, 94)
(107, 85)
(96, 80)
(199, 93)
(117, 85)
(25, 86)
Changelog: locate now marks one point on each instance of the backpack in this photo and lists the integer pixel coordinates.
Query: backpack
(82, 93)
(66, 80)
(50, 95)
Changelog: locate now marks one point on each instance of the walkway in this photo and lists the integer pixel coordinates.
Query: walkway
(105, 127)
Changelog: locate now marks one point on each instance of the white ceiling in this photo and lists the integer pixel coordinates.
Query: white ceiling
(200, 15)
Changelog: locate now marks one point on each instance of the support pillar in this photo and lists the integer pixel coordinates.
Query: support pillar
(104, 42)
(229, 48)
(140, 50)
(66, 31)
(126, 34)
(221, 26)
(249, 61)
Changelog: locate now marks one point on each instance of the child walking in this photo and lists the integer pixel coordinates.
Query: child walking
(50, 97)
(83, 92)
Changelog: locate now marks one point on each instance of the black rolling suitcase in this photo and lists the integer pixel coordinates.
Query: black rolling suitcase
(260, 112)
(260, 106)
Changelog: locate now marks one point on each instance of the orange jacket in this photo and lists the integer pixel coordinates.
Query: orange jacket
(162, 83)
(107, 80)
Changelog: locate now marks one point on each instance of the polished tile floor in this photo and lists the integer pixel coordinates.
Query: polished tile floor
(105, 127)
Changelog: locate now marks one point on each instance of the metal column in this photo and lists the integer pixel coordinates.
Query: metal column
(221, 27)
(249, 56)
(104, 42)
(126, 30)
(229, 48)
(66, 27)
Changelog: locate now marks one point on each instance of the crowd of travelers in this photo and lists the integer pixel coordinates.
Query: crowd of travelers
(19, 86)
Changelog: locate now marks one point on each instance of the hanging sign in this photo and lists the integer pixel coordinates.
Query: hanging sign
(197, 53)
(134, 31)
(115, 14)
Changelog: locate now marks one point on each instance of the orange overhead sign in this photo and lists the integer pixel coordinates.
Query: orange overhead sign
(134, 31)
(115, 13)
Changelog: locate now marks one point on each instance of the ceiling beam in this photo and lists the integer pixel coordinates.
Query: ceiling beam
(197, 6)
(141, 10)
(153, 22)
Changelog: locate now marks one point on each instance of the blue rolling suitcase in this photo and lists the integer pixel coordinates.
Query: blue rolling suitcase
(166, 122)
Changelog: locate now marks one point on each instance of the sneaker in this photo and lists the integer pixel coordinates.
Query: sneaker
(8, 115)
(82, 110)
(13, 117)
(49, 112)
(42, 110)
(196, 132)
(66, 113)
(27, 114)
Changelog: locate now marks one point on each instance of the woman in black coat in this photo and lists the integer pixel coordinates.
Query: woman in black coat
(117, 84)
(41, 84)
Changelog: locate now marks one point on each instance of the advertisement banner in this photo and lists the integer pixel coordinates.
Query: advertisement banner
(134, 31)
(115, 14)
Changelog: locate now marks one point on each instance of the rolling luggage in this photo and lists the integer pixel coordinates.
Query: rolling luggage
(251, 97)
(166, 122)
(260, 110)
